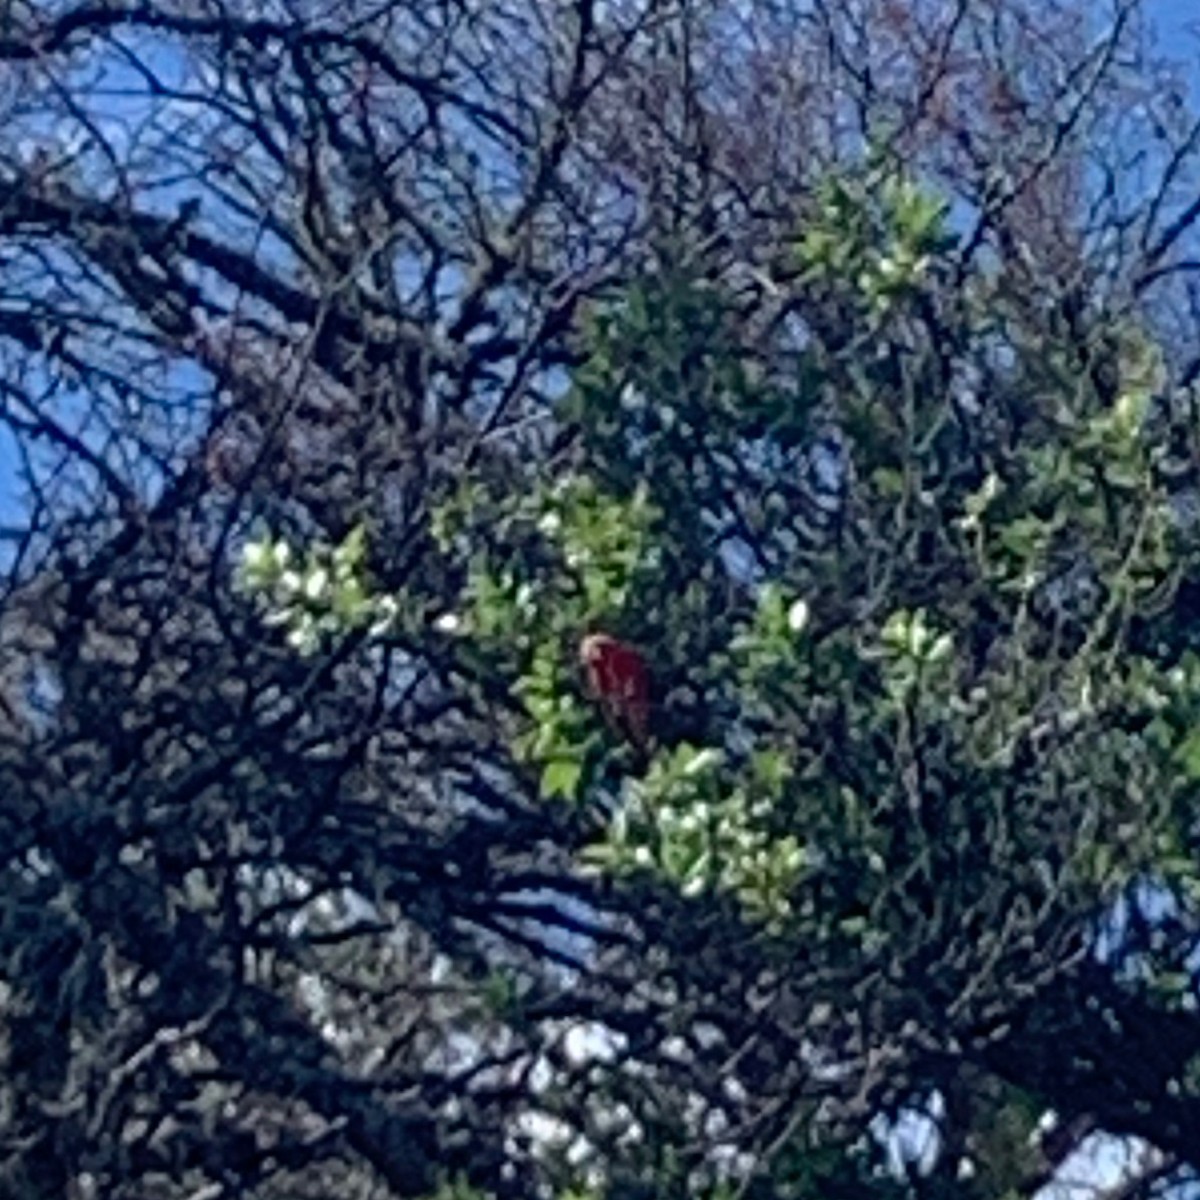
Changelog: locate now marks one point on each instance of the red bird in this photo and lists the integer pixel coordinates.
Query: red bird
(618, 678)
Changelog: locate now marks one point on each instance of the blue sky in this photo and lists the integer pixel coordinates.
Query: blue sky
(1178, 26)
(1176, 13)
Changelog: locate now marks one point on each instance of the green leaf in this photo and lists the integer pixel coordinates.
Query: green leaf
(1187, 754)
(560, 777)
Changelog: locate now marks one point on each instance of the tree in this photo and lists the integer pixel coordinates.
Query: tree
(357, 361)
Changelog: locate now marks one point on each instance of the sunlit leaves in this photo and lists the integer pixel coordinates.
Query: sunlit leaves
(316, 595)
(556, 736)
(914, 651)
(605, 543)
(585, 555)
(770, 646)
(700, 827)
(882, 232)
(585, 552)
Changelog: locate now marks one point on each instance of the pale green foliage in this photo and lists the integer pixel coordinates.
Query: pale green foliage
(532, 620)
(556, 736)
(700, 828)
(767, 653)
(602, 545)
(692, 821)
(914, 653)
(883, 232)
(773, 636)
(318, 594)
(605, 542)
